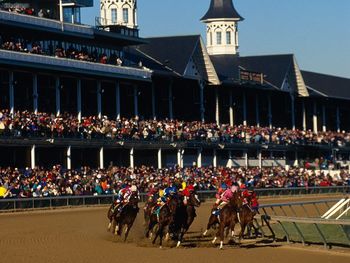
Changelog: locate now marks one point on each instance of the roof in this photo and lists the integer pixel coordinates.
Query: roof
(174, 51)
(222, 9)
(226, 67)
(327, 85)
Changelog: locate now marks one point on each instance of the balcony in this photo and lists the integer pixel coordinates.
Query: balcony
(74, 66)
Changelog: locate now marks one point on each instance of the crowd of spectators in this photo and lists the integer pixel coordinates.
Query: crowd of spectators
(21, 9)
(39, 182)
(29, 124)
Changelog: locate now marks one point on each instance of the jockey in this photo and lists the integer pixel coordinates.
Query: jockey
(123, 197)
(152, 193)
(170, 190)
(187, 191)
(222, 198)
(250, 194)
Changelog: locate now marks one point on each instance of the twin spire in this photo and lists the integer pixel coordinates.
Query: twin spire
(220, 9)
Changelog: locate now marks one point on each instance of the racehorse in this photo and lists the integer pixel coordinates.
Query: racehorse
(184, 216)
(126, 217)
(228, 217)
(147, 210)
(164, 219)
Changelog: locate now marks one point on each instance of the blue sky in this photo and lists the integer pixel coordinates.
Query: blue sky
(316, 31)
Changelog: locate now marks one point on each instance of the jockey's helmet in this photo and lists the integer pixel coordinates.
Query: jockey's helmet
(133, 188)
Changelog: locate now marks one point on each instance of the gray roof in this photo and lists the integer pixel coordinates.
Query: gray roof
(174, 51)
(222, 9)
(327, 85)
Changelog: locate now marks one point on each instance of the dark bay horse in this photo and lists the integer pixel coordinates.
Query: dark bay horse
(126, 217)
(164, 219)
(184, 216)
(228, 217)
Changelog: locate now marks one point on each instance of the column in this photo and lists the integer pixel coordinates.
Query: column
(170, 99)
(292, 109)
(199, 158)
(245, 156)
(257, 110)
(99, 99)
(244, 109)
(231, 108)
(229, 163)
(269, 105)
(132, 157)
(217, 106)
(35, 93)
(180, 153)
(136, 106)
(201, 101)
(12, 92)
(79, 99)
(314, 117)
(296, 159)
(58, 96)
(69, 158)
(32, 157)
(338, 119)
(324, 124)
(159, 158)
(101, 158)
(117, 100)
(260, 158)
(154, 116)
(215, 158)
(304, 116)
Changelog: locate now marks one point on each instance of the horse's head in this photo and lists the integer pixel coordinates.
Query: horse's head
(236, 201)
(194, 200)
(172, 203)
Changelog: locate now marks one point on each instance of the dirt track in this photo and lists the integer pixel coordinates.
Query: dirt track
(79, 235)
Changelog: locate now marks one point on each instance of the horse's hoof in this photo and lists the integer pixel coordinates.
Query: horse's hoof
(221, 245)
(205, 233)
(214, 240)
(178, 244)
(160, 247)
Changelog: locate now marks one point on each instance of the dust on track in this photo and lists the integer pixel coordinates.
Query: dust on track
(80, 235)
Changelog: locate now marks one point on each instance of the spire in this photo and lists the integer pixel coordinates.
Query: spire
(222, 9)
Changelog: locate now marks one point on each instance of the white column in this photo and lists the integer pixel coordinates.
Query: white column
(117, 99)
(257, 110)
(245, 156)
(231, 108)
(12, 92)
(201, 101)
(132, 157)
(99, 99)
(260, 158)
(180, 153)
(244, 109)
(314, 117)
(338, 119)
(69, 158)
(215, 158)
(159, 158)
(79, 99)
(292, 109)
(35, 93)
(101, 158)
(229, 163)
(296, 159)
(58, 96)
(304, 116)
(170, 99)
(199, 158)
(32, 157)
(324, 124)
(269, 105)
(136, 103)
(217, 107)
(154, 116)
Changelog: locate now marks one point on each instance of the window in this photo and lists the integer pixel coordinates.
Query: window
(218, 38)
(126, 15)
(228, 38)
(210, 39)
(114, 15)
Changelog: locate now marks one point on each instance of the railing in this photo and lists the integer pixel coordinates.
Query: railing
(300, 222)
(74, 64)
(71, 201)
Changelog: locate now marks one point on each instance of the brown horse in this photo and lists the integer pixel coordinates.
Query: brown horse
(164, 219)
(147, 210)
(184, 217)
(126, 217)
(228, 217)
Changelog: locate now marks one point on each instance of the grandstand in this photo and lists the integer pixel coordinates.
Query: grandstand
(51, 66)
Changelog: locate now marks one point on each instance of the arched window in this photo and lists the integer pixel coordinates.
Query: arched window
(125, 15)
(218, 38)
(114, 15)
(228, 38)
